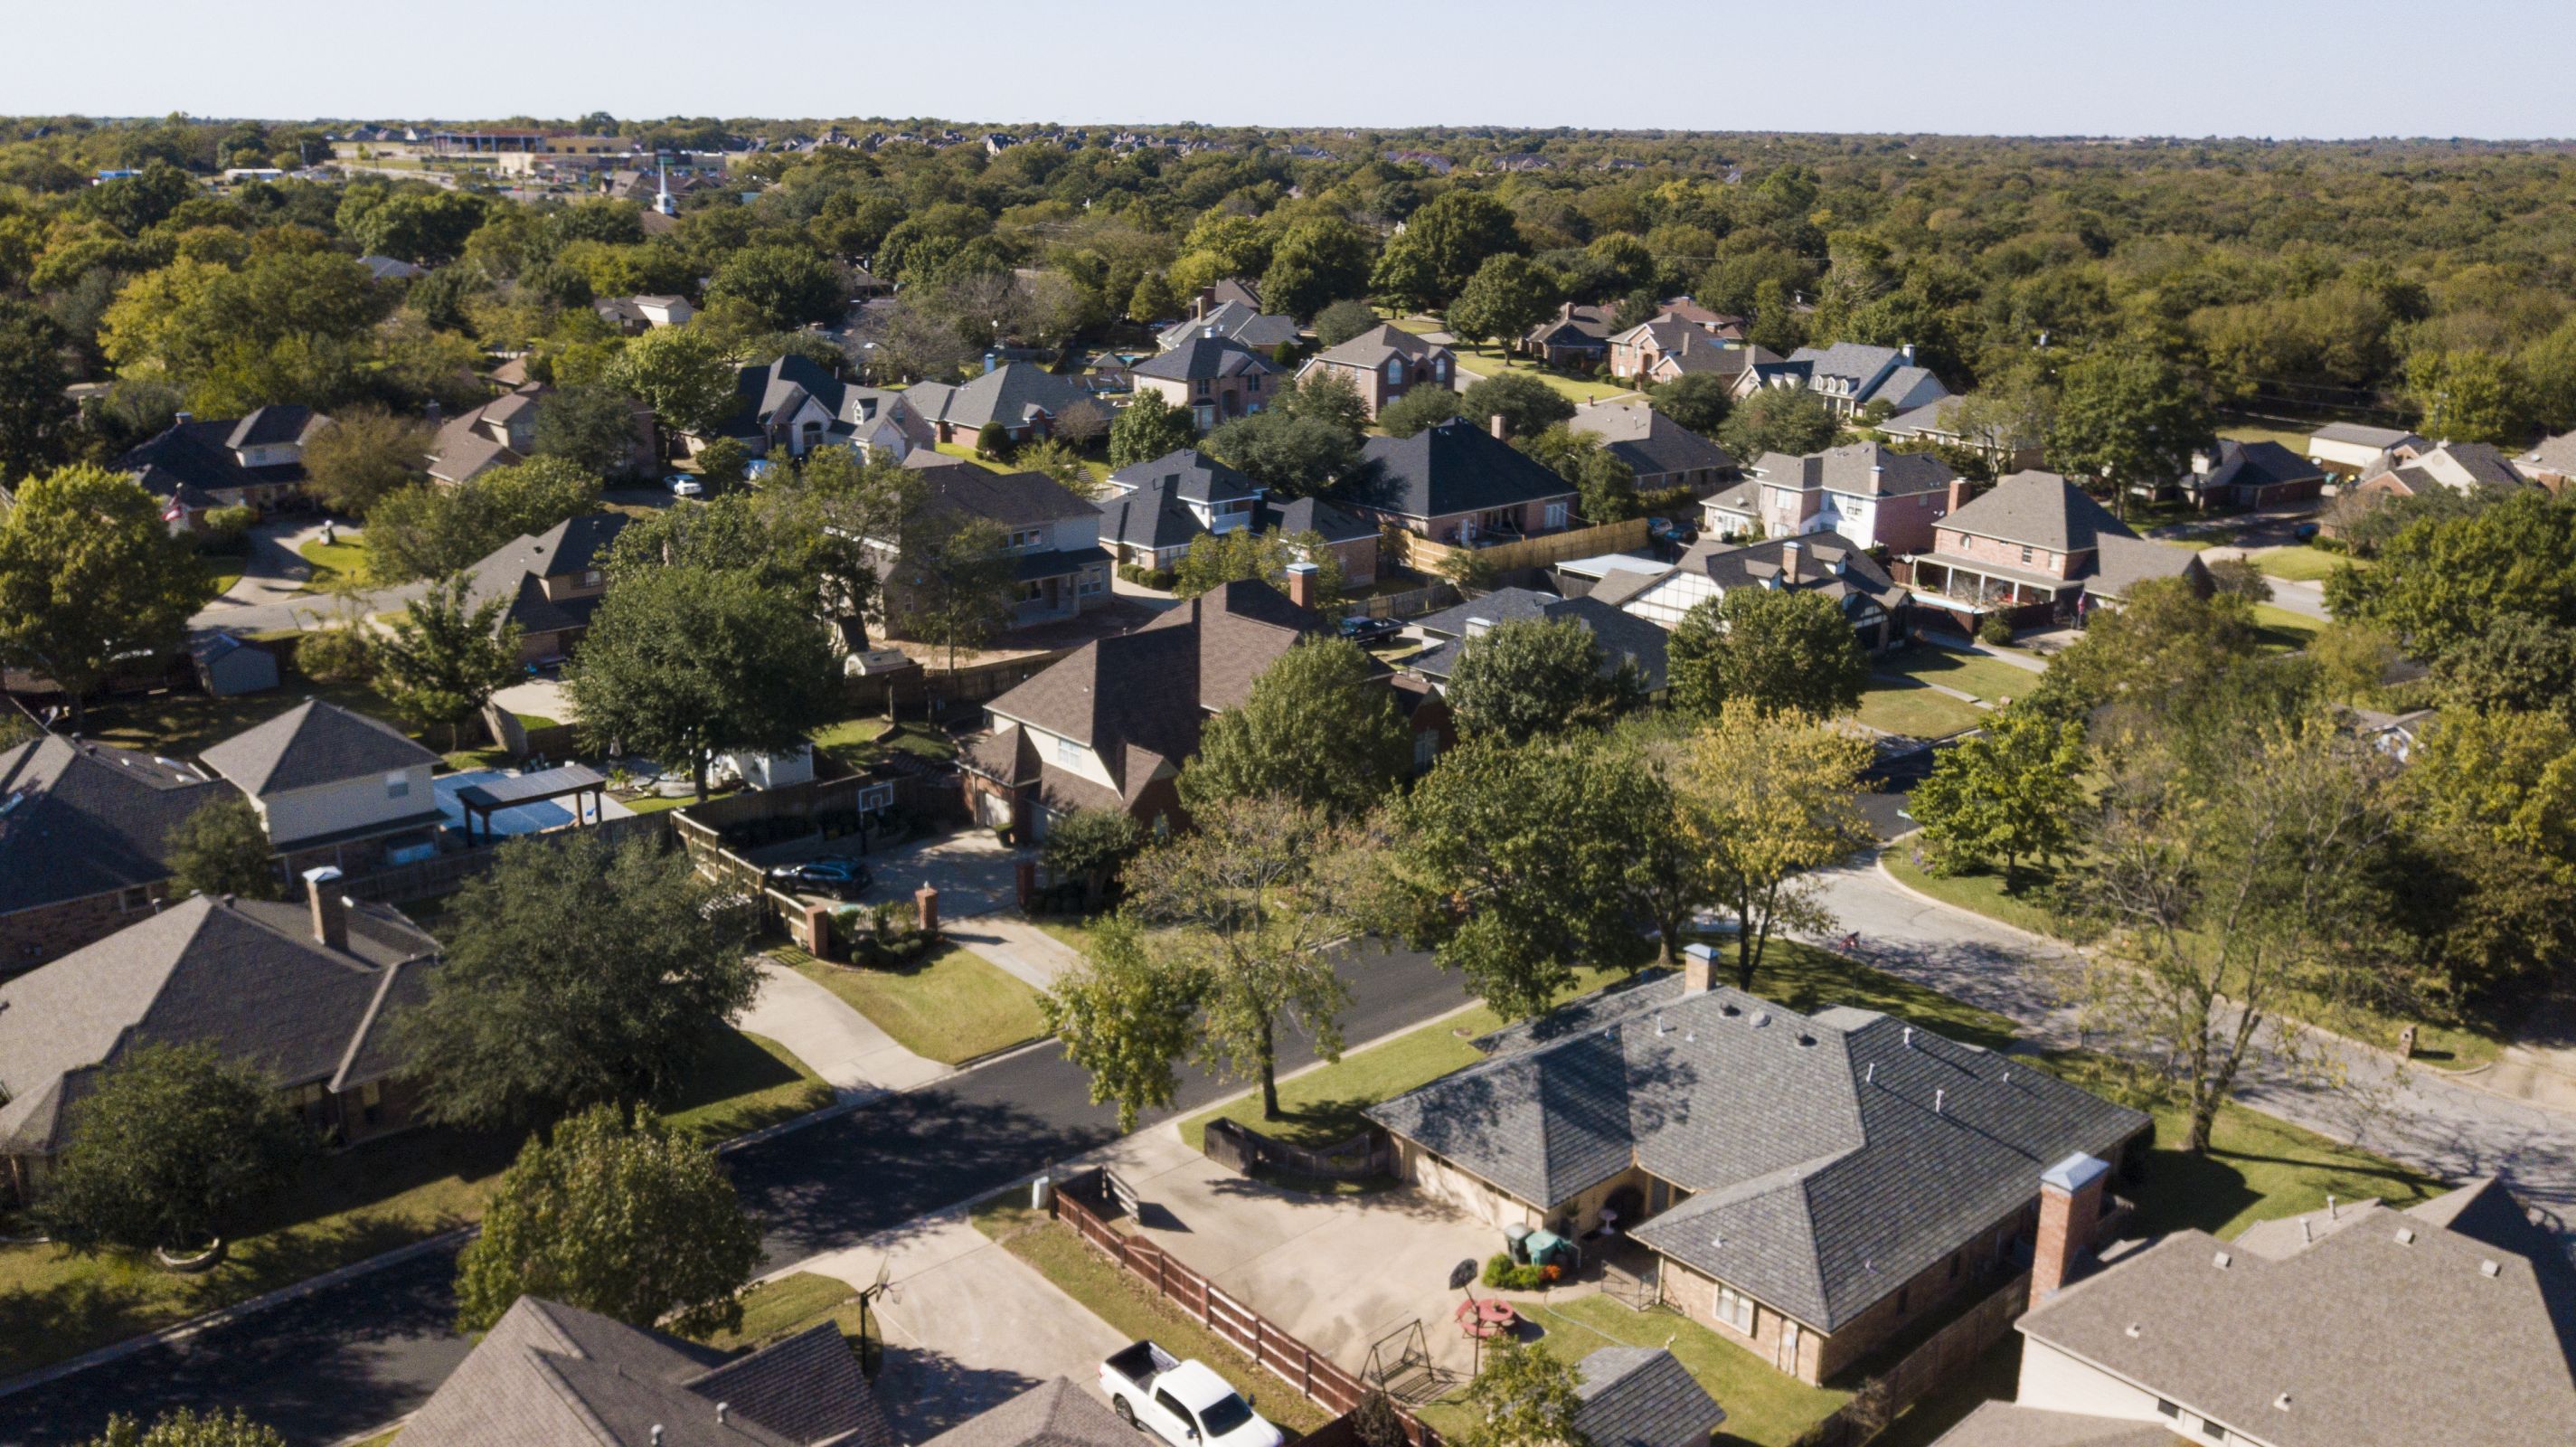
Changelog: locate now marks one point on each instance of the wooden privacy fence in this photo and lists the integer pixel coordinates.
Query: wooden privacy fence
(934, 691)
(1410, 604)
(427, 877)
(1239, 1148)
(1422, 555)
(1318, 1377)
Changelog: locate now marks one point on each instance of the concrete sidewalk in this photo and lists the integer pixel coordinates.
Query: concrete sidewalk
(1016, 945)
(846, 1048)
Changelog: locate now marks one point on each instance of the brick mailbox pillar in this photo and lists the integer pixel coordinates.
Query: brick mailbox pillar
(818, 929)
(1026, 872)
(925, 901)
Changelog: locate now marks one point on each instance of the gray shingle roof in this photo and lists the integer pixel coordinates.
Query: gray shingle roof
(1624, 637)
(312, 743)
(1203, 358)
(2124, 563)
(1051, 1414)
(78, 819)
(2041, 509)
(247, 978)
(1152, 516)
(1643, 1397)
(1825, 1170)
(1652, 444)
(548, 1375)
(516, 571)
(1313, 515)
(2462, 1326)
(2256, 464)
(1863, 469)
(2354, 432)
(1237, 320)
(1826, 563)
(1371, 348)
(1010, 394)
(1195, 476)
(1012, 499)
(2008, 1424)
(1455, 467)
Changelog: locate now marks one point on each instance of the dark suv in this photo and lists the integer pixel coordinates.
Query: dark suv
(1370, 630)
(836, 875)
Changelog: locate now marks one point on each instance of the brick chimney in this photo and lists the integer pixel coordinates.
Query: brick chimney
(1301, 584)
(1792, 553)
(330, 911)
(1958, 495)
(1501, 427)
(1699, 968)
(2070, 1206)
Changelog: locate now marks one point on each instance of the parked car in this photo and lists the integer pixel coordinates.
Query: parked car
(1184, 1403)
(1665, 530)
(2304, 532)
(837, 875)
(1370, 630)
(683, 485)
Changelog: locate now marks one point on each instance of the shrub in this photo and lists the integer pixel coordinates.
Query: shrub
(895, 936)
(335, 655)
(1502, 1275)
(1159, 579)
(991, 440)
(1994, 631)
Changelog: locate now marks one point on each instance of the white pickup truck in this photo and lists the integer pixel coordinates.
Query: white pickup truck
(1184, 1403)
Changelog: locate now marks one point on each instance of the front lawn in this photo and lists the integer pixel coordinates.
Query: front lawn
(352, 1205)
(950, 1005)
(180, 724)
(1135, 1310)
(334, 564)
(1490, 362)
(858, 744)
(794, 1302)
(1916, 712)
(1991, 679)
(222, 571)
(1807, 978)
(2302, 564)
(2282, 631)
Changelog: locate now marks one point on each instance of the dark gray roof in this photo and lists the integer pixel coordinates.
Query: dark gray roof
(2123, 563)
(1826, 563)
(1193, 474)
(1242, 322)
(2455, 1316)
(1863, 469)
(78, 819)
(1831, 1158)
(549, 1375)
(1455, 467)
(2556, 454)
(2041, 509)
(1152, 516)
(1652, 444)
(1051, 1414)
(1313, 515)
(1010, 394)
(1012, 499)
(1624, 637)
(1204, 358)
(1643, 1397)
(2255, 464)
(271, 426)
(516, 571)
(1371, 348)
(246, 977)
(312, 743)
(190, 460)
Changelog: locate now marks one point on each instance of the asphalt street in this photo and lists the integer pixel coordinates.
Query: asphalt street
(363, 1352)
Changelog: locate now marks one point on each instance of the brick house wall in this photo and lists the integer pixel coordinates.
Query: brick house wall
(1358, 558)
(1214, 401)
(1904, 522)
(47, 932)
(1978, 548)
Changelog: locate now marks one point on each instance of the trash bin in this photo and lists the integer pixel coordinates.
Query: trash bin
(1516, 1243)
(1546, 1248)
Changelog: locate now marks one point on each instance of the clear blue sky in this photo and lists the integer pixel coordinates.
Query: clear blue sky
(2284, 68)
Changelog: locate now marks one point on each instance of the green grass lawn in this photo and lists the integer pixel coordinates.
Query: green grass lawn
(794, 1302)
(222, 571)
(1807, 979)
(951, 1005)
(2256, 432)
(340, 562)
(1915, 711)
(1490, 361)
(1763, 1406)
(351, 1205)
(1132, 1308)
(1991, 679)
(2302, 564)
(182, 724)
(2448, 1045)
(2282, 631)
(1074, 932)
(858, 743)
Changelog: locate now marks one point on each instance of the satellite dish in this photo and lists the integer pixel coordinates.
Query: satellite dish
(1462, 1275)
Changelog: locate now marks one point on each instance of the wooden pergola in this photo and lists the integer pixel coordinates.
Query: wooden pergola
(480, 800)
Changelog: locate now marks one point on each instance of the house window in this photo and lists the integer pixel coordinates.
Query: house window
(1735, 1309)
(1028, 537)
(1426, 747)
(1440, 368)
(1395, 371)
(1068, 753)
(590, 579)
(1091, 585)
(397, 784)
(1556, 514)
(2025, 554)
(134, 898)
(2168, 1409)
(1031, 592)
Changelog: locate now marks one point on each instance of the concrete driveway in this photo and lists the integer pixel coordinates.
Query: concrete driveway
(1340, 1272)
(967, 1325)
(973, 870)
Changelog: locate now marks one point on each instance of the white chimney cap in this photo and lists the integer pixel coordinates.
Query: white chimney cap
(322, 874)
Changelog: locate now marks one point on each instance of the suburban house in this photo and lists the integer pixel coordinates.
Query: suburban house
(1850, 376)
(1053, 535)
(549, 1375)
(1051, 1414)
(1661, 452)
(1643, 1397)
(1233, 291)
(1634, 351)
(553, 582)
(1455, 483)
(83, 841)
(1163, 506)
(2358, 1325)
(1626, 641)
(392, 268)
(1110, 726)
(2243, 476)
(1738, 364)
(793, 405)
(1868, 492)
(1724, 326)
(305, 992)
(2552, 464)
(1212, 378)
(1826, 563)
(254, 461)
(2349, 449)
(503, 433)
(1577, 336)
(1384, 363)
(1939, 423)
(2463, 467)
(1236, 321)
(2036, 549)
(1811, 1186)
(1023, 397)
(636, 315)
(333, 787)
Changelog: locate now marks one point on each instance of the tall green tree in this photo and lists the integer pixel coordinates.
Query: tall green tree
(1699, 401)
(1315, 263)
(1241, 554)
(1290, 455)
(1148, 428)
(1528, 677)
(2446, 581)
(593, 427)
(89, 574)
(36, 418)
(220, 849)
(1605, 485)
(1091, 845)
(1508, 295)
(1456, 233)
(687, 663)
(184, 1428)
(2005, 796)
(1777, 647)
(448, 654)
(2128, 417)
(422, 531)
(2469, 396)
(629, 1219)
(1770, 797)
(1527, 405)
(1319, 727)
(172, 1148)
(364, 454)
(682, 373)
(956, 582)
(1417, 409)
(1127, 1015)
(787, 286)
(575, 974)
(1527, 1396)
(1342, 321)
(1789, 420)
